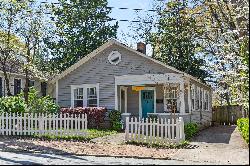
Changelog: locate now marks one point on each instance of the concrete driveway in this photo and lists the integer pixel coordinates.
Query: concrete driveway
(217, 145)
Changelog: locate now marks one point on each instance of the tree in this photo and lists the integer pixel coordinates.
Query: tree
(10, 44)
(80, 32)
(31, 29)
(225, 39)
(175, 42)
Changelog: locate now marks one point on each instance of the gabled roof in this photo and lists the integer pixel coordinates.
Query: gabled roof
(108, 44)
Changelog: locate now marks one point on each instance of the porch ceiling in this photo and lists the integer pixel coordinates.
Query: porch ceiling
(149, 79)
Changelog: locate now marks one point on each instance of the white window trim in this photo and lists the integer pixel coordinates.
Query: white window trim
(140, 106)
(84, 86)
(126, 99)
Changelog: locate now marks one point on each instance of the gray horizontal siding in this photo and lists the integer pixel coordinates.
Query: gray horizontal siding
(99, 70)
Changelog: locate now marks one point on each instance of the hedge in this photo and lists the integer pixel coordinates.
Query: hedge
(95, 115)
(243, 126)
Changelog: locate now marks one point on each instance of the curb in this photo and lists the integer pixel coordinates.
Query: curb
(73, 154)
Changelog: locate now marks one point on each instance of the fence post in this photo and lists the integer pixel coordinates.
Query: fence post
(182, 134)
(127, 129)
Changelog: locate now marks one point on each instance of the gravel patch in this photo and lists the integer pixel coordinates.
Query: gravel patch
(8, 143)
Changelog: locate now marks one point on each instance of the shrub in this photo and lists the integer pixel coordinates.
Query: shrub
(12, 104)
(115, 120)
(243, 126)
(95, 115)
(190, 130)
(36, 104)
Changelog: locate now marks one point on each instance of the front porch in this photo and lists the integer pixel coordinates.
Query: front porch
(157, 94)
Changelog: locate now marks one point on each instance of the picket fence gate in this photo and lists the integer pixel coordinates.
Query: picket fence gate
(152, 131)
(43, 124)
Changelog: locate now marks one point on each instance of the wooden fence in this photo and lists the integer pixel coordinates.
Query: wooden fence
(42, 124)
(152, 131)
(227, 115)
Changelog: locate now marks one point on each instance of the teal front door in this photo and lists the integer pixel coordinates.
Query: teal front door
(147, 101)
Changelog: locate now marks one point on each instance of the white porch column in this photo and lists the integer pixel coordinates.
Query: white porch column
(182, 99)
(189, 98)
(116, 97)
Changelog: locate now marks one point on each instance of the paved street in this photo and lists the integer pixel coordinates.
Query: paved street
(214, 146)
(7, 158)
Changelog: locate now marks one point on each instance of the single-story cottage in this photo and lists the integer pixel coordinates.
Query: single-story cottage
(118, 77)
(17, 83)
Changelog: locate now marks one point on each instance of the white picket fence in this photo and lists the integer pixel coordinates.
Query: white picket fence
(42, 124)
(150, 131)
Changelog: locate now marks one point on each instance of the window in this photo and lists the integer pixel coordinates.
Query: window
(197, 98)
(193, 97)
(201, 99)
(31, 83)
(85, 95)
(1, 87)
(78, 97)
(206, 101)
(17, 86)
(91, 97)
(114, 57)
(43, 88)
(171, 99)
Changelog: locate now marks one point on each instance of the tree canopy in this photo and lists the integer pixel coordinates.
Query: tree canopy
(80, 32)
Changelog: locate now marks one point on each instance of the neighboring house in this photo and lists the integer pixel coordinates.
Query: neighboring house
(118, 77)
(17, 84)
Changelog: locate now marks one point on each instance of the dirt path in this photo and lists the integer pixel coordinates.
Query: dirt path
(218, 145)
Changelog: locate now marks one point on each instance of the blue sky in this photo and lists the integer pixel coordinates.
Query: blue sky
(127, 14)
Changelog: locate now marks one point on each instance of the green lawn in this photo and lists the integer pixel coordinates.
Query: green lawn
(91, 134)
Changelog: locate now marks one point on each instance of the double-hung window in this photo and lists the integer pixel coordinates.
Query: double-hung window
(78, 97)
(197, 98)
(206, 101)
(171, 98)
(17, 86)
(91, 97)
(86, 95)
(193, 97)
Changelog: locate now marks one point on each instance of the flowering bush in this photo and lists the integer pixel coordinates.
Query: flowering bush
(95, 115)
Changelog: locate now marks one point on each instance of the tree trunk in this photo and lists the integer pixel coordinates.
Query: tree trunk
(7, 81)
(26, 88)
